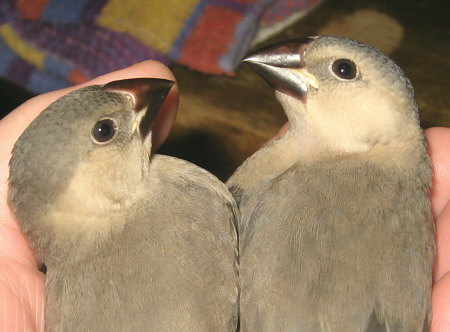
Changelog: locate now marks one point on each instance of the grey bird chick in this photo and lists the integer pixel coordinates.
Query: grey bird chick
(336, 232)
(132, 241)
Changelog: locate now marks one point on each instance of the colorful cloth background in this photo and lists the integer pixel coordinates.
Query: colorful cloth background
(50, 44)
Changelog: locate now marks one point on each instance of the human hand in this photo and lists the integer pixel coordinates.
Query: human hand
(21, 283)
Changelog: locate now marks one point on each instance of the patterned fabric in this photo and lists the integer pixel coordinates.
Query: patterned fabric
(283, 9)
(280, 15)
(50, 44)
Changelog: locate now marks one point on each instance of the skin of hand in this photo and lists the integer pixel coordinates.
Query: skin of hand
(340, 141)
(22, 285)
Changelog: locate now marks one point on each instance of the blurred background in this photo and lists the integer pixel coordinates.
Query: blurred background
(226, 111)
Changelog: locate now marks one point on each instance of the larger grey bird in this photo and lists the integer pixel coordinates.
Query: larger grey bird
(336, 232)
(132, 241)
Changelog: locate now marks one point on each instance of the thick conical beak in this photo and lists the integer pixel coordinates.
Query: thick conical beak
(147, 94)
(282, 65)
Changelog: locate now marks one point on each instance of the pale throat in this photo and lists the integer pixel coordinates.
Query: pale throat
(98, 191)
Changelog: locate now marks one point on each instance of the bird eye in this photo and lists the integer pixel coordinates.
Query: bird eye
(344, 68)
(104, 131)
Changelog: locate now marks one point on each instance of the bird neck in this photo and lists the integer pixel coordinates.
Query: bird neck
(269, 161)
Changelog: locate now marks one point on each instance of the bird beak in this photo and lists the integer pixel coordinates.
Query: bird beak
(147, 95)
(282, 65)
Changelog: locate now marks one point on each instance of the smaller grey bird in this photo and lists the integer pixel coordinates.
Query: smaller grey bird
(336, 231)
(132, 241)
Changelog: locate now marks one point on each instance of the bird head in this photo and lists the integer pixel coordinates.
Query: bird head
(80, 162)
(346, 94)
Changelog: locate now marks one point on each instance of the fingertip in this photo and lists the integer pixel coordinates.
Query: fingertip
(438, 131)
(165, 118)
(439, 144)
(438, 148)
(155, 69)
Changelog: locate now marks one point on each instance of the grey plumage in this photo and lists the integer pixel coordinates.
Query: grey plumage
(132, 242)
(336, 232)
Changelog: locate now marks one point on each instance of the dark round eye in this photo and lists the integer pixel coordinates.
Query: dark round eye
(104, 131)
(344, 68)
